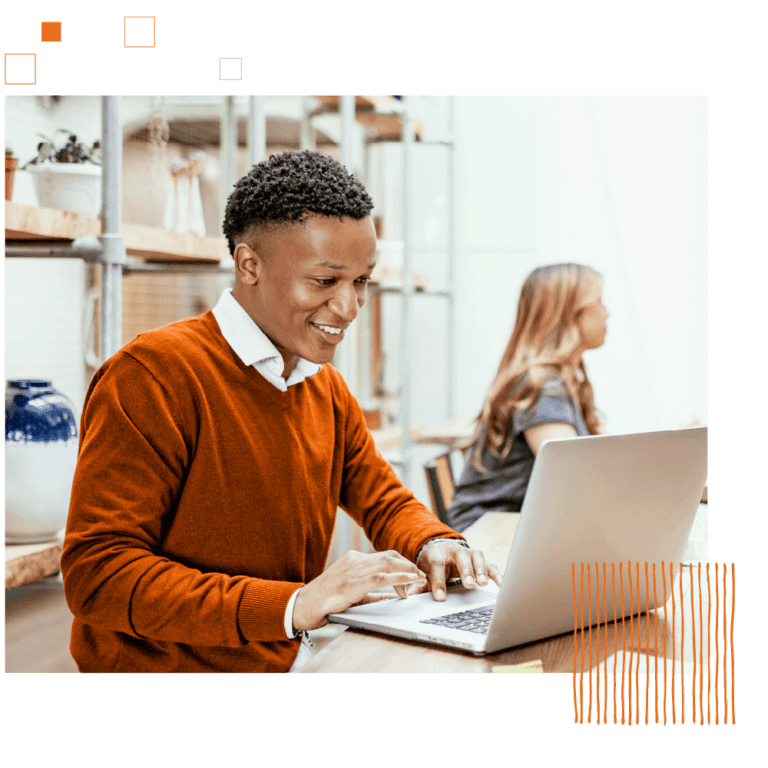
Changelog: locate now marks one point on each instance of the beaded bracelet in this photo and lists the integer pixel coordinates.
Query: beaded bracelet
(432, 541)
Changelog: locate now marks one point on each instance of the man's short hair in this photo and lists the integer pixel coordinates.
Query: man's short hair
(289, 187)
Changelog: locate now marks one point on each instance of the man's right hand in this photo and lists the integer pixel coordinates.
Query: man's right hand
(349, 581)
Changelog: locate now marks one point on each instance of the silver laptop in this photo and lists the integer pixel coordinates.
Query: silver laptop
(603, 498)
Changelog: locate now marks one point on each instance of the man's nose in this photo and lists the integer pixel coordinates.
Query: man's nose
(344, 303)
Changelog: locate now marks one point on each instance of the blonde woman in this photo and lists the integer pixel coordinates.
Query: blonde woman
(541, 389)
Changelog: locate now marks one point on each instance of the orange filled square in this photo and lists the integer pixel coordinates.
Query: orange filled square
(51, 32)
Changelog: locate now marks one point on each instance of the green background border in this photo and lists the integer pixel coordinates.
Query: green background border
(552, 47)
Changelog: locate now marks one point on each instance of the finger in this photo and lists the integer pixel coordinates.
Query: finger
(462, 560)
(375, 597)
(377, 581)
(478, 564)
(394, 562)
(494, 573)
(437, 579)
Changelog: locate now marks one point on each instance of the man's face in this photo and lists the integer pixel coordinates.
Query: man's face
(310, 282)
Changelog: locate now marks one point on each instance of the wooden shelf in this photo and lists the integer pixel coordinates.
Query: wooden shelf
(390, 274)
(377, 113)
(25, 563)
(27, 222)
(449, 433)
(389, 438)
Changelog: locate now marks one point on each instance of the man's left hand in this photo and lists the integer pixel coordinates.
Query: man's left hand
(445, 560)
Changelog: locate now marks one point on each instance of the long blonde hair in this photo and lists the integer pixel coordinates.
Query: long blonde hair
(543, 343)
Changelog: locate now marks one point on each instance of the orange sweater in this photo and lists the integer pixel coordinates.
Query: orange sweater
(204, 497)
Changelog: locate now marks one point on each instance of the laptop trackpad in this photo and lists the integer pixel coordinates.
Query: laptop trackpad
(419, 607)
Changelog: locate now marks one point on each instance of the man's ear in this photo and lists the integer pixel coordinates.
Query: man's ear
(247, 264)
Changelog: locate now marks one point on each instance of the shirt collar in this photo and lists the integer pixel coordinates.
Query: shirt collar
(250, 343)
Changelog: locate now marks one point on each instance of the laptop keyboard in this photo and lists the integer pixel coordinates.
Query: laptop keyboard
(476, 620)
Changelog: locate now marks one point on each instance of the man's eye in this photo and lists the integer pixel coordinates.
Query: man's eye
(364, 280)
(326, 280)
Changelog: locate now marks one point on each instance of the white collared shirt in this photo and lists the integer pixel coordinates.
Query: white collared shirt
(253, 347)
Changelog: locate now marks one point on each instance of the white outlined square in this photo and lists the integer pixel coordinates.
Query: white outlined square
(33, 81)
(231, 58)
(230, 69)
(125, 31)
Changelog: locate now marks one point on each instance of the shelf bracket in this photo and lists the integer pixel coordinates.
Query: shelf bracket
(111, 249)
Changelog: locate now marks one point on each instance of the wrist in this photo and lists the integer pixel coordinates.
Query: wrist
(290, 625)
(306, 614)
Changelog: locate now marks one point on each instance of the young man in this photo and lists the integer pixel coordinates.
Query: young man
(215, 451)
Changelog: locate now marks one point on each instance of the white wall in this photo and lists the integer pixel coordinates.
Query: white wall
(497, 232)
(616, 183)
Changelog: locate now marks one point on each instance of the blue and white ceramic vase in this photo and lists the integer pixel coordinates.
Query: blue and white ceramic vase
(40, 458)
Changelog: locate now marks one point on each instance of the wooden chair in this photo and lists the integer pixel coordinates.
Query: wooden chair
(440, 484)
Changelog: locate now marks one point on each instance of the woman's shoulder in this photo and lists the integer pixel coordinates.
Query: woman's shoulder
(551, 380)
(555, 386)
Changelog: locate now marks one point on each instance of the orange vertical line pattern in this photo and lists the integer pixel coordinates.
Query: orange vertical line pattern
(666, 617)
(709, 665)
(615, 638)
(581, 677)
(647, 645)
(674, 649)
(589, 639)
(700, 715)
(575, 642)
(639, 646)
(717, 650)
(631, 639)
(693, 636)
(733, 668)
(623, 638)
(725, 652)
(605, 635)
(655, 644)
(682, 649)
(597, 664)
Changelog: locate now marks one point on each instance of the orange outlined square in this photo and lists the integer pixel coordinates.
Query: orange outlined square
(125, 31)
(50, 32)
(33, 81)
(231, 58)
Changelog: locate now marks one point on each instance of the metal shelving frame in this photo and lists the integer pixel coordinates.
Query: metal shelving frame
(407, 290)
(108, 250)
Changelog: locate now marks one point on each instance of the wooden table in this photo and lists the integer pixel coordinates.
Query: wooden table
(28, 562)
(450, 433)
(357, 650)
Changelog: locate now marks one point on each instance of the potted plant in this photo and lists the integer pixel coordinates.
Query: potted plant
(11, 163)
(68, 177)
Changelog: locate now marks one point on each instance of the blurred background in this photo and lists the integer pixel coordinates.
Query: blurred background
(471, 193)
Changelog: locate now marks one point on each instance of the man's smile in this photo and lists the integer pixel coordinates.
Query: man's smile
(330, 330)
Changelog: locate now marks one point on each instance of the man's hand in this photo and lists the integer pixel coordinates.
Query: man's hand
(448, 559)
(349, 581)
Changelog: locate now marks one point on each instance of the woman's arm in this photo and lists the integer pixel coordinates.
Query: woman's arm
(535, 436)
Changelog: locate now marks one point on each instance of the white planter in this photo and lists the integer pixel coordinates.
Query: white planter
(74, 187)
